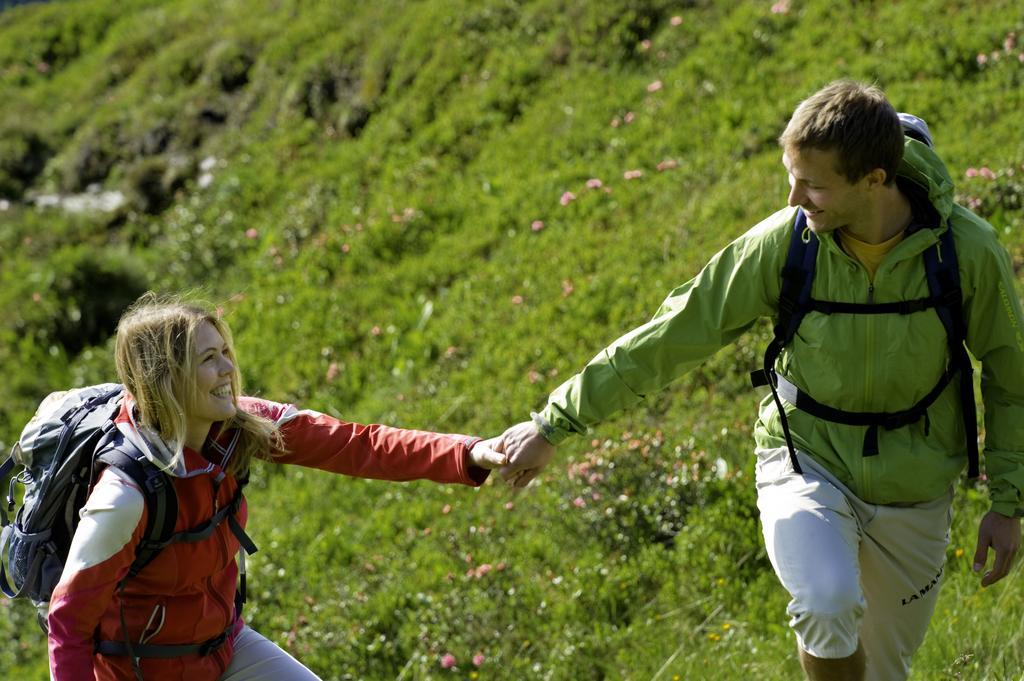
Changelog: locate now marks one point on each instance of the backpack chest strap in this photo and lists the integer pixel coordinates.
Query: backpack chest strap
(872, 420)
(205, 529)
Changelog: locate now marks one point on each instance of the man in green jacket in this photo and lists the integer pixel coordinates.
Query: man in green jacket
(857, 537)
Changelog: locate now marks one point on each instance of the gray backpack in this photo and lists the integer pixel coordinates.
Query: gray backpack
(61, 450)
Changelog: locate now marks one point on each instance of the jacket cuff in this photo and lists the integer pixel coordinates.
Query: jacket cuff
(557, 428)
(473, 475)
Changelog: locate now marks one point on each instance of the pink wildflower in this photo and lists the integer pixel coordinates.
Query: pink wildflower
(676, 20)
(628, 118)
(982, 58)
(615, 122)
(632, 174)
(509, 506)
(36, 297)
(483, 569)
(251, 233)
(533, 376)
(375, 330)
(446, 509)
(537, 225)
(781, 7)
(668, 164)
(655, 86)
(567, 198)
(987, 173)
(645, 45)
(578, 502)
(345, 248)
(447, 661)
(332, 372)
(971, 172)
(567, 288)
(517, 300)
(478, 659)
(1020, 57)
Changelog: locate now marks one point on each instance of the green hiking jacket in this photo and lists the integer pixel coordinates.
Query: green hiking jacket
(851, 362)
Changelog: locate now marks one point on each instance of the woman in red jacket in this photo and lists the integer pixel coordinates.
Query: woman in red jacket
(183, 410)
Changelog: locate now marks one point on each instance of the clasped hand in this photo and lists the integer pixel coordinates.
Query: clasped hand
(520, 453)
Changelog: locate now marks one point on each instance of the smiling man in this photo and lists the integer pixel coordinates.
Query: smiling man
(876, 280)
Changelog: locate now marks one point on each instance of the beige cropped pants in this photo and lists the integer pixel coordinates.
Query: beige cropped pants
(855, 571)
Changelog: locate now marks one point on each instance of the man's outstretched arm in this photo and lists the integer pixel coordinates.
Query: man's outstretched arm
(738, 286)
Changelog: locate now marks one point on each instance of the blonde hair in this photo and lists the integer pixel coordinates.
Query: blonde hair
(156, 361)
(856, 121)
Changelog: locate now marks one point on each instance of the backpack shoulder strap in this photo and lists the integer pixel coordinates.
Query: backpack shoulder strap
(942, 271)
(794, 295)
(158, 492)
(794, 303)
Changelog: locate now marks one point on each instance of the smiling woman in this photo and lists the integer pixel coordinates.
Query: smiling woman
(214, 396)
(182, 415)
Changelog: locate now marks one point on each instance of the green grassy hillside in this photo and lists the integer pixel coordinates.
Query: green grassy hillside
(429, 214)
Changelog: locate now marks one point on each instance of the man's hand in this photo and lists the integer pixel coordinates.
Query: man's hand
(528, 453)
(489, 454)
(1001, 534)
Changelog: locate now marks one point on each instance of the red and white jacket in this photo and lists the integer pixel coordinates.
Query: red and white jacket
(186, 594)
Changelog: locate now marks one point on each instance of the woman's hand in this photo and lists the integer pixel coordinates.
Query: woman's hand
(489, 454)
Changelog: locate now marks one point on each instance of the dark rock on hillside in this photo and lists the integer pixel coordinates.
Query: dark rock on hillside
(23, 155)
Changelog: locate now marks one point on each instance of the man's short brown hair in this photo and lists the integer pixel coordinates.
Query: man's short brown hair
(855, 120)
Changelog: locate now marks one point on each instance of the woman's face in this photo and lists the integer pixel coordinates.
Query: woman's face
(214, 369)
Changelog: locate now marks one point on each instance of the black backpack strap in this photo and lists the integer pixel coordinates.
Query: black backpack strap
(164, 651)
(5, 532)
(943, 274)
(903, 307)
(8, 506)
(794, 300)
(160, 497)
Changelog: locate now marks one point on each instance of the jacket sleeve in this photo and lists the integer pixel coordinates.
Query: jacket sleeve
(995, 335)
(738, 286)
(112, 523)
(320, 441)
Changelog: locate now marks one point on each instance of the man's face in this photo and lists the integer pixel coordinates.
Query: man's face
(829, 200)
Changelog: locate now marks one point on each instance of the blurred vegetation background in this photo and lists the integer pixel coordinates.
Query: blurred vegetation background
(429, 213)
